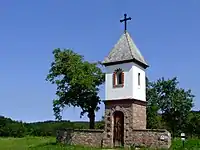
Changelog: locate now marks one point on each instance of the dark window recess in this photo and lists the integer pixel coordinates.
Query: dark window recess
(138, 78)
(119, 78)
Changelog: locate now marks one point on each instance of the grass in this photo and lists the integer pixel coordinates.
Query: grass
(35, 143)
(48, 143)
(190, 144)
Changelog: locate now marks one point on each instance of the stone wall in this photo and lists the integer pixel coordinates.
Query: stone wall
(95, 138)
(92, 138)
(134, 118)
(150, 138)
(110, 108)
(139, 116)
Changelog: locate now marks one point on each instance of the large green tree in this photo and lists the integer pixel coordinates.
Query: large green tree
(77, 83)
(153, 118)
(172, 102)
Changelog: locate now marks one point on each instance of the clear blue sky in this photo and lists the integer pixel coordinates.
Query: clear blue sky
(167, 33)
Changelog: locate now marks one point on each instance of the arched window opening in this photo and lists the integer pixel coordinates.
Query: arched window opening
(118, 78)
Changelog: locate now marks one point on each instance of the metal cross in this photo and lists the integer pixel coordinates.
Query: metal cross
(125, 21)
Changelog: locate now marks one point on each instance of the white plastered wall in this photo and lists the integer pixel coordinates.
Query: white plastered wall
(131, 88)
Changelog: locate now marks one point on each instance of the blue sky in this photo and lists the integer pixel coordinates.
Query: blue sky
(166, 32)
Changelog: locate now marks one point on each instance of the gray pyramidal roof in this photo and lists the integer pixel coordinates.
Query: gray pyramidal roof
(125, 50)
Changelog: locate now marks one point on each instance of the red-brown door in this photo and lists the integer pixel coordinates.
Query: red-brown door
(118, 138)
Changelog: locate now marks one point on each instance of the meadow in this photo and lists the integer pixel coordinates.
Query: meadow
(48, 143)
(35, 143)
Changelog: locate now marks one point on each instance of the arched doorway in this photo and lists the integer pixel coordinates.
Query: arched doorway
(118, 135)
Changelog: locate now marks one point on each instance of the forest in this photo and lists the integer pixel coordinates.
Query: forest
(11, 128)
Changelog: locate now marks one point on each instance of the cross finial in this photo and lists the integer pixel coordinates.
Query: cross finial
(125, 21)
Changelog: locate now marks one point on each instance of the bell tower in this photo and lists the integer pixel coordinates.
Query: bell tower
(125, 90)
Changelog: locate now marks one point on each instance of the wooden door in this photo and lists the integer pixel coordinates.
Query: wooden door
(118, 138)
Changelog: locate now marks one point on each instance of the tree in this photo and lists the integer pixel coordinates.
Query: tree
(193, 124)
(173, 103)
(77, 83)
(153, 118)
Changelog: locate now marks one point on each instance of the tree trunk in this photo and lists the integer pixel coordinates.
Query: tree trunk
(91, 116)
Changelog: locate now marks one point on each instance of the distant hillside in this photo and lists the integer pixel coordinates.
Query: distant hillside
(9, 127)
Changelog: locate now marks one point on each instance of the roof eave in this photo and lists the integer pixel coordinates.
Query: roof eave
(143, 65)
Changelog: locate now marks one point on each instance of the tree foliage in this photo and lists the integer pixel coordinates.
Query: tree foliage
(11, 128)
(192, 126)
(153, 119)
(171, 103)
(77, 83)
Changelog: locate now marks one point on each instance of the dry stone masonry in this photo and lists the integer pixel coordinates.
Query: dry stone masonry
(91, 138)
(94, 138)
(134, 118)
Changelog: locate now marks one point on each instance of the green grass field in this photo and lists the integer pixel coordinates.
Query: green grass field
(48, 143)
(35, 143)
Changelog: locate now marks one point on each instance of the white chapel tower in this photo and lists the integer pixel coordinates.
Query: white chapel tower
(125, 71)
(125, 90)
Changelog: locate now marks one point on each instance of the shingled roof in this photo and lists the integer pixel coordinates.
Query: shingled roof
(125, 50)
